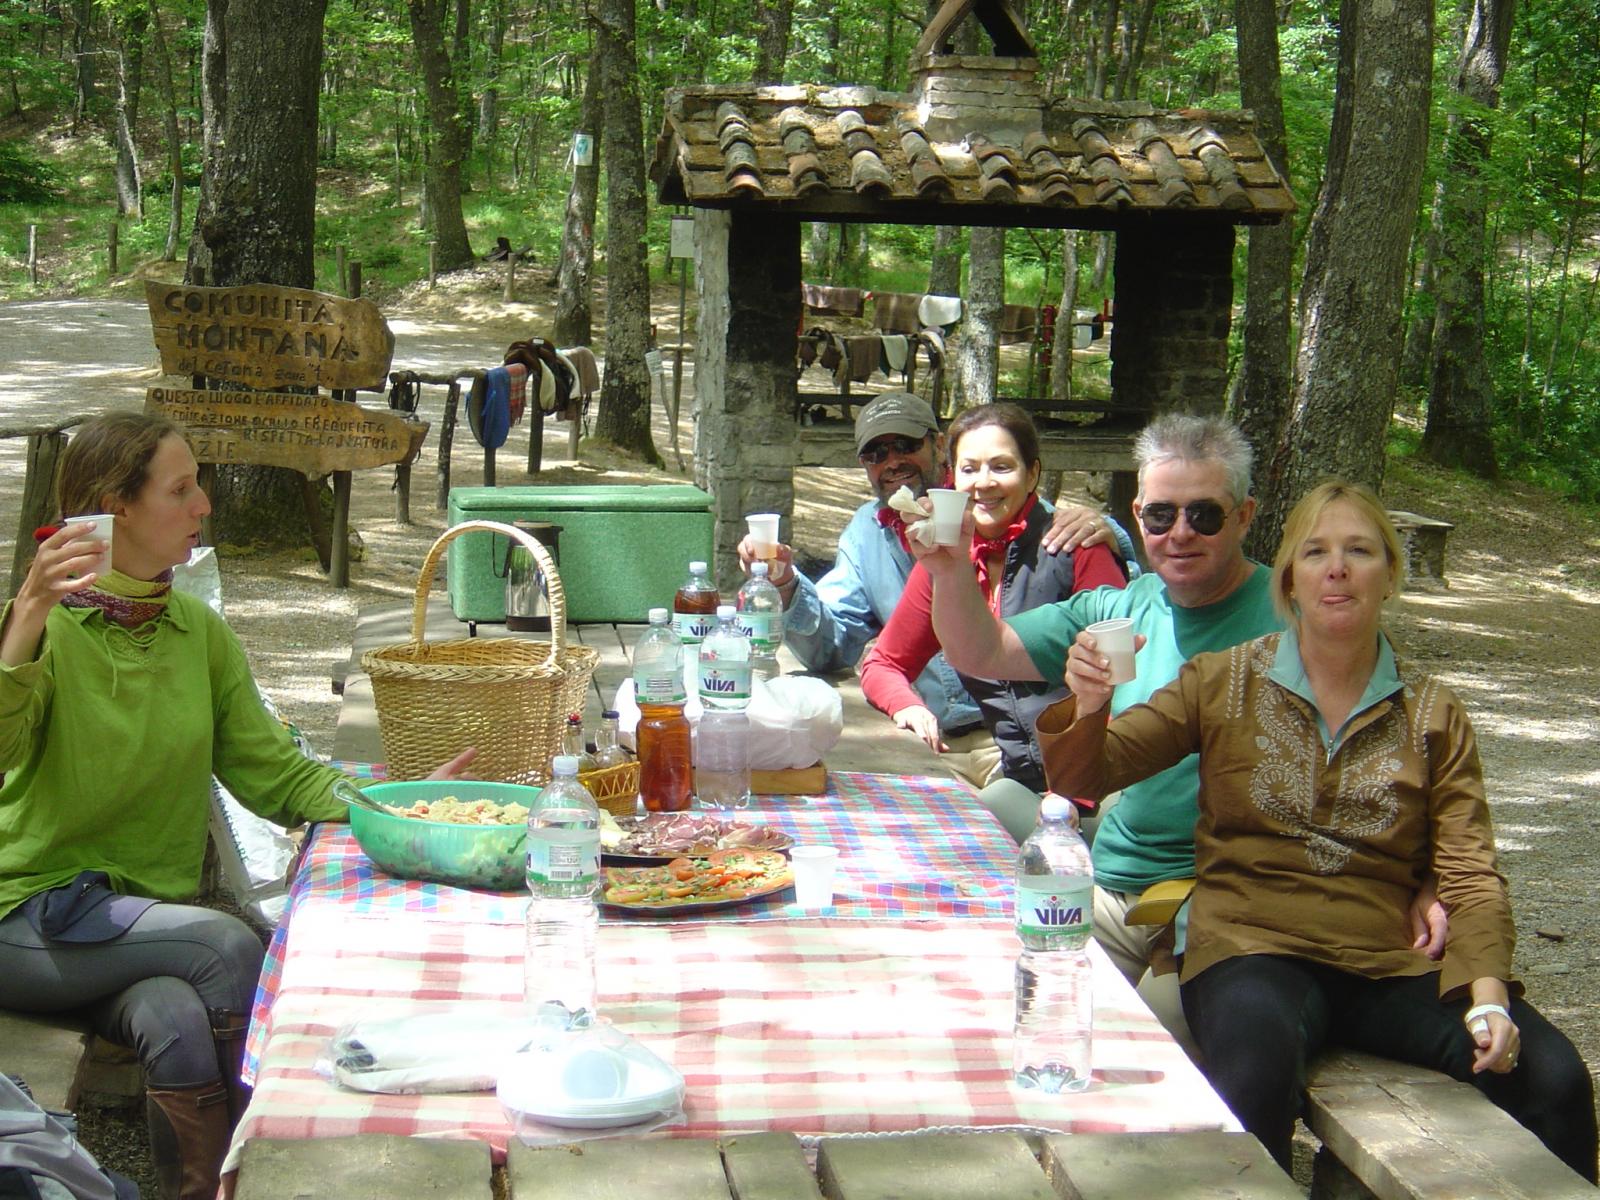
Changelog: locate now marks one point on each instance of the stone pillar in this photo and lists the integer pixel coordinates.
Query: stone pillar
(745, 434)
(1169, 343)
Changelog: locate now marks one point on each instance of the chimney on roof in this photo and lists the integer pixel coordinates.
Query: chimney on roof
(998, 95)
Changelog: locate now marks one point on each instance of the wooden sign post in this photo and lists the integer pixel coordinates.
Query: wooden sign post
(260, 338)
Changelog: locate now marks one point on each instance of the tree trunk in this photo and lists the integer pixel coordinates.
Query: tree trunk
(461, 56)
(130, 70)
(256, 224)
(772, 39)
(489, 102)
(1108, 39)
(174, 138)
(1416, 360)
(625, 395)
(1259, 402)
(1061, 358)
(978, 366)
(1133, 51)
(944, 267)
(83, 52)
(574, 291)
(1345, 371)
(1461, 400)
(447, 149)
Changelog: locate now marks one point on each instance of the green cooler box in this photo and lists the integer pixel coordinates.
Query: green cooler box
(624, 548)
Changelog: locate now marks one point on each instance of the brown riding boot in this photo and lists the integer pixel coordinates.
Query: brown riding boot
(228, 1030)
(189, 1132)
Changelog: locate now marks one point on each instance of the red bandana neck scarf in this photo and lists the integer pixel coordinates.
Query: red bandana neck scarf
(123, 600)
(983, 548)
(890, 519)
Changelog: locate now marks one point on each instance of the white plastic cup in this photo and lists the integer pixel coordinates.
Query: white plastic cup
(101, 527)
(814, 871)
(949, 506)
(764, 535)
(1114, 639)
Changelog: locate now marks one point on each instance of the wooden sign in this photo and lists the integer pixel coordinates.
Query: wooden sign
(265, 336)
(311, 434)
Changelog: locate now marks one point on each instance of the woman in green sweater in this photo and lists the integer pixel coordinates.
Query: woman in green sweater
(119, 700)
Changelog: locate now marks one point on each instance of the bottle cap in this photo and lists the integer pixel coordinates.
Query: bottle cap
(564, 764)
(758, 569)
(610, 714)
(575, 719)
(697, 568)
(1055, 808)
(725, 612)
(658, 616)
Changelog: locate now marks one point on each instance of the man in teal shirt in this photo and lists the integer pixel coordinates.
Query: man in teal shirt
(1201, 594)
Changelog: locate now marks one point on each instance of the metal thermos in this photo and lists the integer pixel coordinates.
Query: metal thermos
(527, 593)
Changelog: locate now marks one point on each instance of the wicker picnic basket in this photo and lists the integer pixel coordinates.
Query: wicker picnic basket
(508, 697)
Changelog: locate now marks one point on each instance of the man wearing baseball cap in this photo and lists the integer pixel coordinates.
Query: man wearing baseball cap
(827, 624)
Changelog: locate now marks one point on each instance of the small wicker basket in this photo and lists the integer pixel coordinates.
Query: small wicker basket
(615, 789)
(506, 696)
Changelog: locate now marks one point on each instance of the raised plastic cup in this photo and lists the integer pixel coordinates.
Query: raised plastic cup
(1114, 639)
(948, 507)
(814, 871)
(764, 535)
(101, 527)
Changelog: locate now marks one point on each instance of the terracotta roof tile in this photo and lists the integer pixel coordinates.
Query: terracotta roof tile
(821, 152)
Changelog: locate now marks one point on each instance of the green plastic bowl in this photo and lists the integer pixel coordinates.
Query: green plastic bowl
(491, 857)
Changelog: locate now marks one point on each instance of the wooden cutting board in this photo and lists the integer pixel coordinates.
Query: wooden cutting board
(795, 781)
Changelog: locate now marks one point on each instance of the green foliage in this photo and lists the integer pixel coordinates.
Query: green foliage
(26, 177)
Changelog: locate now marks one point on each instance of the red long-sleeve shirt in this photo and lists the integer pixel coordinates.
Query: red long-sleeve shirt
(908, 641)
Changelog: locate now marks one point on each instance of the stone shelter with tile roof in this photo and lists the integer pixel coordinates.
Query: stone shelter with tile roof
(974, 142)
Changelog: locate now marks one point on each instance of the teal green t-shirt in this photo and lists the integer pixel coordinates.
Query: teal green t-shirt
(1149, 835)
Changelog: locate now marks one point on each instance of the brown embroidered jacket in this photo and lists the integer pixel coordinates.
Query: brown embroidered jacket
(1300, 852)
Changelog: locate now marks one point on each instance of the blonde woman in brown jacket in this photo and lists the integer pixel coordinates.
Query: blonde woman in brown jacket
(1331, 782)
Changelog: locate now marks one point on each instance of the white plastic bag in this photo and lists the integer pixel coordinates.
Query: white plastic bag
(794, 720)
(457, 1049)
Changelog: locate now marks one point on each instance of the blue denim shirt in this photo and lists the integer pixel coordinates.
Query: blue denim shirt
(829, 623)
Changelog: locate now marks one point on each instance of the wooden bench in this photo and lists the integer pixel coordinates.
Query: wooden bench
(64, 1065)
(1398, 1132)
(1423, 539)
(775, 1166)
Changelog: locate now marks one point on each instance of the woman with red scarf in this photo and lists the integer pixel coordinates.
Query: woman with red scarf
(994, 456)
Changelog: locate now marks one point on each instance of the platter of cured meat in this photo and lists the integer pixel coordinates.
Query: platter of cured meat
(662, 837)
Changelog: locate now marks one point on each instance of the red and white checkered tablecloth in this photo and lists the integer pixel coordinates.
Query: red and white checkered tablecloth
(811, 1027)
(893, 1017)
(910, 847)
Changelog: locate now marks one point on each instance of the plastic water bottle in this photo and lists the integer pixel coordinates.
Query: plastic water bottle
(563, 877)
(1050, 1044)
(665, 780)
(761, 617)
(694, 604)
(722, 743)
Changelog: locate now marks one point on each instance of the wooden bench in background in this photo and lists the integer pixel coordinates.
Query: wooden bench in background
(1398, 1132)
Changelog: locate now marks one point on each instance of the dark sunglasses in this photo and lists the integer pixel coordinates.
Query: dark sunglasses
(879, 451)
(1205, 517)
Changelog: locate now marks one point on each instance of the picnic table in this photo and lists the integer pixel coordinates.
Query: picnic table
(889, 1012)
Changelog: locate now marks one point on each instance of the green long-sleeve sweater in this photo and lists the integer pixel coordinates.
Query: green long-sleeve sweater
(108, 742)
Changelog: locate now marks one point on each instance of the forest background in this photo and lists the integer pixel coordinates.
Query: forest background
(1440, 266)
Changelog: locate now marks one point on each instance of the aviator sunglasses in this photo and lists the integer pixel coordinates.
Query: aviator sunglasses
(1205, 517)
(879, 451)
